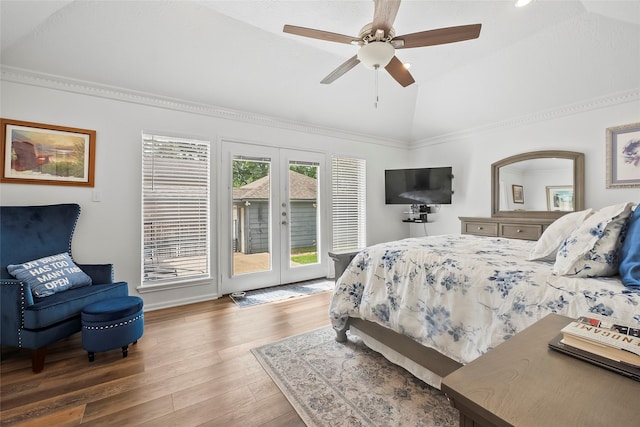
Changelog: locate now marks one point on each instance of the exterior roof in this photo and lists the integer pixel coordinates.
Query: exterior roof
(301, 187)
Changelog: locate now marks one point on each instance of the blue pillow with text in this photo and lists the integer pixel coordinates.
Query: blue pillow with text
(49, 275)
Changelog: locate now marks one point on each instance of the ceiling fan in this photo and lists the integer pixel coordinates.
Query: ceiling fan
(378, 42)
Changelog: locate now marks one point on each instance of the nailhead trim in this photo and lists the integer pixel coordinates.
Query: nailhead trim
(115, 325)
(22, 302)
(73, 229)
(22, 290)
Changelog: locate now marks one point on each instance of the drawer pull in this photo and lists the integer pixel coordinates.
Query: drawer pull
(518, 231)
(479, 228)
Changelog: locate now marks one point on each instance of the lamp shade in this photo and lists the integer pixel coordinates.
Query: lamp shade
(376, 54)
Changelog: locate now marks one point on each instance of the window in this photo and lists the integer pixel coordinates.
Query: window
(175, 209)
(349, 203)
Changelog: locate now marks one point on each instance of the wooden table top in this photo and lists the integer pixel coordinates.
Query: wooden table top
(522, 382)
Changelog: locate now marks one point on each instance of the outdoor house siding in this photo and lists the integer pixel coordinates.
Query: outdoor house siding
(303, 224)
(303, 227)
(257, 227)
(251, 214)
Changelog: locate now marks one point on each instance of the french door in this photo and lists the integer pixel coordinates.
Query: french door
(273, 215)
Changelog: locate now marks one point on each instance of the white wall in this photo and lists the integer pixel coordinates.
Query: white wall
(471, 156)
(109, 230)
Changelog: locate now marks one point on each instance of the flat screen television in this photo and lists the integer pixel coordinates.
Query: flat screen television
(425, 186)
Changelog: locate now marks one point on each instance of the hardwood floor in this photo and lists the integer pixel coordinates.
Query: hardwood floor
(192, 366)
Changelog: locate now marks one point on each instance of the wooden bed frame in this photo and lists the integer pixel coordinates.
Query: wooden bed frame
(426, 357)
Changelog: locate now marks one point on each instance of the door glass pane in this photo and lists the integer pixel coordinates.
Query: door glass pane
(303, 213)
(251, 215)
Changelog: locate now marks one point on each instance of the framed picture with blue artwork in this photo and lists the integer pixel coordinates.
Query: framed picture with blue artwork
(560, 198)
(623, 156)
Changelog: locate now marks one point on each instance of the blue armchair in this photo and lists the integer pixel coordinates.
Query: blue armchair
(29, 233)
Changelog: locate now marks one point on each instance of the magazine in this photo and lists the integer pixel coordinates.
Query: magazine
(605, 336)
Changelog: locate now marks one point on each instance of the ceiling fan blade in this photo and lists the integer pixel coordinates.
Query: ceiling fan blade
(343, 68)
(399, 72)
(384, 14)
(439, 36)
(319, 34)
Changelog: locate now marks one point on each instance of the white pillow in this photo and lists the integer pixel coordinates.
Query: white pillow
(592, 249)
(548, 244)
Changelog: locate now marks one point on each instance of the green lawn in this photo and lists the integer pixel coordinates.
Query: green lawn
(307, 255)
(305, 258)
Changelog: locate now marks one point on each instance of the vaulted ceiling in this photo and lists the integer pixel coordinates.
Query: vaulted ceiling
(233, 54)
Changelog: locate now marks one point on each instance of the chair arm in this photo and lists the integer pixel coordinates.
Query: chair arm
(14, 297)
(100, 273)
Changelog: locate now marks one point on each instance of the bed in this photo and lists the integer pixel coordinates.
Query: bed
(433, 304)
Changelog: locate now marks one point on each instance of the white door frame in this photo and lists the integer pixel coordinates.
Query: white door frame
(280, 272)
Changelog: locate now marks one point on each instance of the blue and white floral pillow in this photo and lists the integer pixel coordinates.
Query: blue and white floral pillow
(546, 247)
(592, 249)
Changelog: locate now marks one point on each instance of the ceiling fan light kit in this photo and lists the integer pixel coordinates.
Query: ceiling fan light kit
(522, 3)
(376, 55)
(378, 42)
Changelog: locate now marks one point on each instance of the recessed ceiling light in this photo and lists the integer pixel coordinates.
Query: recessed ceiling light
(521, 3)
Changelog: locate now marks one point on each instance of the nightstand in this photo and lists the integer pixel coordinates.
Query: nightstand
(522, 382)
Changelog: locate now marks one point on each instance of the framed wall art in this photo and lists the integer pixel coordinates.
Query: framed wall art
(518, 193)
(36, 153)
(623, 156)
(560, 198)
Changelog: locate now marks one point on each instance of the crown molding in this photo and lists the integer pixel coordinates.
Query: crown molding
(34, 78)
(610, 100)
(51, 81)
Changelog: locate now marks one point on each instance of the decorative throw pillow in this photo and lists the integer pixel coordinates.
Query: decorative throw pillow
(48, 275)
(548, 244)
(630, 253)
(592, 249)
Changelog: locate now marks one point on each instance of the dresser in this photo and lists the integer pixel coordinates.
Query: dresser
(512, 228)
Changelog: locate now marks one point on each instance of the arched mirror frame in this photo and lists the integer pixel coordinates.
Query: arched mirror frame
(578, 183)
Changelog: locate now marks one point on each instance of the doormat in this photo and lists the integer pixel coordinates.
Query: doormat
(347, 384)
(278, 293)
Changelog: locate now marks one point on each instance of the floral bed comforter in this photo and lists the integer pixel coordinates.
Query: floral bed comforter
(463, 295)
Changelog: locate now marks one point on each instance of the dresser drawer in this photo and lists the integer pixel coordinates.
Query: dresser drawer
(480, 228)
(521, 231)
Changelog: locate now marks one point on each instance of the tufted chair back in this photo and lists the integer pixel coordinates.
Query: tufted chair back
(32, 232)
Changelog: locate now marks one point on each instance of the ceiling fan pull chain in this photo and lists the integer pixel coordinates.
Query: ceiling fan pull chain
(375, 89)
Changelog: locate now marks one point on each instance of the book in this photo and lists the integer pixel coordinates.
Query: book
(605, 336)
(603, 362)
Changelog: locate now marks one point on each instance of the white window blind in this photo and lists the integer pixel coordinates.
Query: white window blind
(349, 203)
(175, 209)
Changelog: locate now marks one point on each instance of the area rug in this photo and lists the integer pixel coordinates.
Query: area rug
(347, 384)
(277, 293)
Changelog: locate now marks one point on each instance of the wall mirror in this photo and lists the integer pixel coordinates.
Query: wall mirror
(538, 184)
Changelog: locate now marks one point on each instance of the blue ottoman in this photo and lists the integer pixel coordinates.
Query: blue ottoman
(112, 323)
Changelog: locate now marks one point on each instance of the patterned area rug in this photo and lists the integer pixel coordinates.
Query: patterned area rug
(277, 293)
(334, 384)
